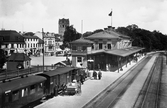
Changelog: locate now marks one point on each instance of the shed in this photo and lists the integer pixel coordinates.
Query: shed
(18, 61)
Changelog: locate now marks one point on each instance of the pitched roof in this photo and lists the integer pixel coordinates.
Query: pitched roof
(58, 71)
(107, 35)
(102, 35)
(30, 37)
(11, 36)
(82, 40)
(18, 57)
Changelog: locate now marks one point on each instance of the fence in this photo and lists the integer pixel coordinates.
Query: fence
(33, 70)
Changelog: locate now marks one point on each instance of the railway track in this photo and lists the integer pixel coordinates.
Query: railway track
(109, 97)
(149, 94)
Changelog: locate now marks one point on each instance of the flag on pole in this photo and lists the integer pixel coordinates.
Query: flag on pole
(110, 14)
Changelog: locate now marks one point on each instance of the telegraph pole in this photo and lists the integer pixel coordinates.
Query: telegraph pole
(43, 48)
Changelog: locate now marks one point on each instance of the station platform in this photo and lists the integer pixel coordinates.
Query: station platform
(90, 89)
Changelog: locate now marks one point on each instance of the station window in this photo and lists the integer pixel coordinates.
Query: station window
(74, 47)
(15, 95)
(84, 48)
(100, 46)
(92, 46)
(32, 89)
(79, 48)
(109, 46)
(79, 59)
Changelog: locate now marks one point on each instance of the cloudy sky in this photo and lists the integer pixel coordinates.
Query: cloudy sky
(33, 15)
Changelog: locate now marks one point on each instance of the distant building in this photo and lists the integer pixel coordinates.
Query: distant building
(52, 42)
(63, 23)
(33, 44)
(58, 42)
(11, 41)
(49, 43)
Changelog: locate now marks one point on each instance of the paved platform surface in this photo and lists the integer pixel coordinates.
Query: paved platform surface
(90, 89)
(130, 96)
(163, 89)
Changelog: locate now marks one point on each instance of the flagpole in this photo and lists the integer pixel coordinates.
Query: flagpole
(111, 18)
(110, 14)
(81, 28)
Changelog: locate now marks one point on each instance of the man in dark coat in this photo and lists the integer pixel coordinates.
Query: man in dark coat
(99, 74)
(94, 74)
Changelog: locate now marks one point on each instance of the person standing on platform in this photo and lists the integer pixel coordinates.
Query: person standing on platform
(79, 86)
(99, 74)
(81, 78)
(94, 74)
(56, 90)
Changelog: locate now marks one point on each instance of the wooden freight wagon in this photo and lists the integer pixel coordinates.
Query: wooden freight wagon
(56, 78)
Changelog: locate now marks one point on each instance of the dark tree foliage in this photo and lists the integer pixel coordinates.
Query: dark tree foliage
(145, 38)
(86, 34)
(70, 35)
(2, 58)
(29, 34)
(97, 31)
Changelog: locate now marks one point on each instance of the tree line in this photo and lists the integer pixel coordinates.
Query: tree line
(150, 40)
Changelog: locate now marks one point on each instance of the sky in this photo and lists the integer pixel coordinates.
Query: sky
(84, 15)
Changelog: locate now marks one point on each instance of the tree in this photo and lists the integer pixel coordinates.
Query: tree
(29, 34)
(145, 38)
(2, 58)
(98, 30)
(70, 35)
(86, 34)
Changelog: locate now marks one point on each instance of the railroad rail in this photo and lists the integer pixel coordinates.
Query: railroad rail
(149, 94)
(109, 97)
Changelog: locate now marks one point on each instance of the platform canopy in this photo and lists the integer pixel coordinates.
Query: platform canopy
(119, 52)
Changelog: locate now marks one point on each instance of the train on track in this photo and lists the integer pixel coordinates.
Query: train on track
(22, 91)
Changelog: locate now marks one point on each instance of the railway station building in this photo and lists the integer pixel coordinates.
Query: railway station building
(106, 50)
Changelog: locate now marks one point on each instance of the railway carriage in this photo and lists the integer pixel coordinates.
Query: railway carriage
(56, 78)
(22, 91)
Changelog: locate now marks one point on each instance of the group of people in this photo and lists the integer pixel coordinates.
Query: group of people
(97, 75)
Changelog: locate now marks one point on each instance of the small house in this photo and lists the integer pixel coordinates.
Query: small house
(18, 61)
